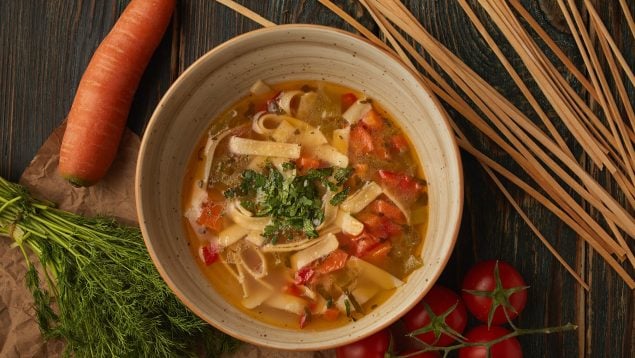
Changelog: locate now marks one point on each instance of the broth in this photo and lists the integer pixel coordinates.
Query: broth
(305, 205)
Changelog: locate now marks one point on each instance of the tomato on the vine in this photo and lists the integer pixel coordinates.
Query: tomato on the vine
(373, 346)
(448, 310)
(481, 290)
(508, 348)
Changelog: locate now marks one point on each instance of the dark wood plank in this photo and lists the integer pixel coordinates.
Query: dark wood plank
(610, 301)
(205, 24)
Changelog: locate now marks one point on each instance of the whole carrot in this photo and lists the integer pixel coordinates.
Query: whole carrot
(100, 109)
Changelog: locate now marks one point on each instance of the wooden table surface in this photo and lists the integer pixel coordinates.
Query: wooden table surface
(45, 46)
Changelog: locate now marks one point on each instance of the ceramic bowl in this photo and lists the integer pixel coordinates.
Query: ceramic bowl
(224, 75)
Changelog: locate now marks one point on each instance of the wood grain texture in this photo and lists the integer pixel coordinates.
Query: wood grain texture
(45, 46)
(491, 228)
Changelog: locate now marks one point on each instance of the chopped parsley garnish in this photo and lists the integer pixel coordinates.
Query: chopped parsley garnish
(342, 174)
(338, 198)
(294, 202)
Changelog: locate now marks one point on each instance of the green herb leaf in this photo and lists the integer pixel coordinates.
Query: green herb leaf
(342, 174)
(338, 198)
(288, 165)
(294, 202)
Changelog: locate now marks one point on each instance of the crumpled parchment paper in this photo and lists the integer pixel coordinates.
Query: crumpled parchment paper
(112, 196)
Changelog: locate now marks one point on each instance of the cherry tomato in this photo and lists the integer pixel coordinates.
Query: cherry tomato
(511, 293)
(375, 345)
(440, 300)
(509, 348)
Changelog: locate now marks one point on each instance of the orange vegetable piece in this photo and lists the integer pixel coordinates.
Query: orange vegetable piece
(399, 143)
(331, 314)
(304, 164)
(98, 115)
(361, 141)
(378, 254)
(212, 216)
(333, 262)
(363, 243)
(388, 209)
(372, 120)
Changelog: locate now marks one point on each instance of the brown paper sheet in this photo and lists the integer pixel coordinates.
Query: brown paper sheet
(112, 196)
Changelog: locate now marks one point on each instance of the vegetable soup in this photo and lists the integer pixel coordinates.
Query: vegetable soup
(305, 205)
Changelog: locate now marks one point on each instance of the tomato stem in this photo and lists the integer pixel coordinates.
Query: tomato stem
(515, 333)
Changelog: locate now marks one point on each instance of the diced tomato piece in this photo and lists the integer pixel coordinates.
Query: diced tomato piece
(388, 229)
(333, 262)
(331, 314)
(304, 164)
(405, 186)
(372, 120)
(303, 275)
(347, 100)
(379, 252)
(361, 169)
(369, 219)
(211, 216)
(399, 143)
(380, 150)
(361, 141)
(363, 243)
(388, 209)
(381, 226)
(209, 253)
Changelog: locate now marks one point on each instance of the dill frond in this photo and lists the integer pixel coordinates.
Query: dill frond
(109, 299)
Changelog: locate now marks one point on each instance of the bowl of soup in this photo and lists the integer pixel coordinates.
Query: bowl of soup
(299, 188)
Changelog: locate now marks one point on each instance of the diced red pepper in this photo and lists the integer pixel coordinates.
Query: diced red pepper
(380, 226)
(331, 314)
(333, 262)
(304, 164)
(363, 243)
(303, 275)
(399, 143)
(347, 100)
(404, 186)
(211, 216)
(361, 141)
(372, 121)
(209, 253)
(378, 253)
(387, 209)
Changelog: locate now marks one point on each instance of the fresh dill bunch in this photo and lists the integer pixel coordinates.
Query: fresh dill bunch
(103, 295)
